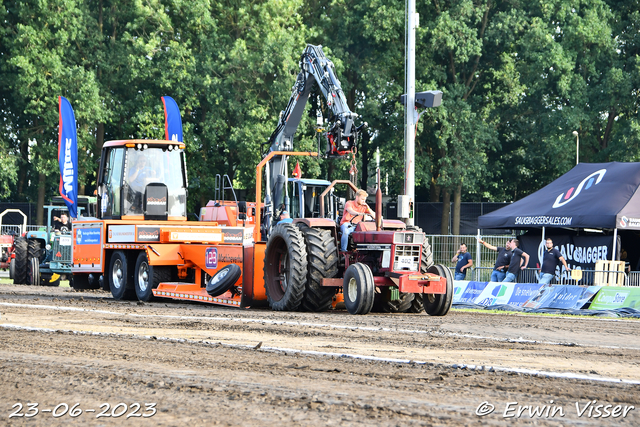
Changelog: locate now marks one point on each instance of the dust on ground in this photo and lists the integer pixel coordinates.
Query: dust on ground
(173, 363)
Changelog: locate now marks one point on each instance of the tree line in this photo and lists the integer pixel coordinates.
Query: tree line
(518, 77)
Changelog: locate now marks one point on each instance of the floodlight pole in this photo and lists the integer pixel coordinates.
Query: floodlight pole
(410, 119)
(575, 133)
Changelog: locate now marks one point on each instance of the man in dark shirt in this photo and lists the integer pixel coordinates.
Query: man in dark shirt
(464, 262)
(62, 224)
(516, 264)
(502, 261)
(550, 260)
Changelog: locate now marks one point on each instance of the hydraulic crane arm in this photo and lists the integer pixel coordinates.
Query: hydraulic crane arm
(342, 134)
(315, 67)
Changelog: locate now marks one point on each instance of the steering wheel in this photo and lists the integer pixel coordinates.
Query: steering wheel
(364, 217)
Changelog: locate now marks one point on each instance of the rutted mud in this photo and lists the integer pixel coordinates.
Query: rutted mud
(209, 365)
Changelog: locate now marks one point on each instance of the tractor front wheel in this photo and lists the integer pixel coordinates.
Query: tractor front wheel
(358, 288)
(33, 273)
(439, 304)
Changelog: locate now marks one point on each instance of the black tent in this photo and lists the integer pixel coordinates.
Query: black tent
(591, 195)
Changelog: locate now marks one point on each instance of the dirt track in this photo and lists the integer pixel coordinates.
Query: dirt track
(209, 365)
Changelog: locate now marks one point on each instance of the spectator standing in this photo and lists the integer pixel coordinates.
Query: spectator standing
(502, 261)
(464, 261)
(550, 260)
(516, 264)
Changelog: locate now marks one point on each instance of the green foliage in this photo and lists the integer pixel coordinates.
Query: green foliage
(518, 78)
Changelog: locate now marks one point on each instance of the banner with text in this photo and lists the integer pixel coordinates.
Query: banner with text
(612, 297)
(492, 293)
(562, 296)
(580, 252)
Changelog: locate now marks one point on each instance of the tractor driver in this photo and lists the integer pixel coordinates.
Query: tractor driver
(139, 176)
(62, 224)
(352, 210)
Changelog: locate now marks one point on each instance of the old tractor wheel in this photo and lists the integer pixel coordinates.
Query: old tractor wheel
(426, 261)
(358, 288)
(34, 249)
(322, 258)
(33, 272)
(120, 279)
(439, 304)
(12, 268)
(147, 277)
(223, 280)
(21, 250)
(285, 268)
(384, 304)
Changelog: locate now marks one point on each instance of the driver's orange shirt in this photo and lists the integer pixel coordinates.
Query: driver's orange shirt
(346, 216)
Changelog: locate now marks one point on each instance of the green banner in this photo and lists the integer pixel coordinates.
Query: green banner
(611, 297)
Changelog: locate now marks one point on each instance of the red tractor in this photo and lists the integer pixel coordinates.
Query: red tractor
(386, 265)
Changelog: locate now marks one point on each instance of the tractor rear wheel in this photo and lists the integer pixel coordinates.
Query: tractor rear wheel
(439, 304)
(285, 268)
(21, 249)
(322, 258)
(120, 278)
(358, 288)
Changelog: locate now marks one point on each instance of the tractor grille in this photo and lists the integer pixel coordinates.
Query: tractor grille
(407, 257)
(61, 249)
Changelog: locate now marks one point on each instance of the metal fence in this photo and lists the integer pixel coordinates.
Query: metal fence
(444, 247)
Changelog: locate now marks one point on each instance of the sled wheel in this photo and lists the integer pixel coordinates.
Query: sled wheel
(120, 280)
(358, 289)
(223, 280)
(147, 277)
(285, 268)
(439, 304)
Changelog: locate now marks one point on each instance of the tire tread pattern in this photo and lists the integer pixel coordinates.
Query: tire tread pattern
(21, 249)
(322, 259)
(285, 238)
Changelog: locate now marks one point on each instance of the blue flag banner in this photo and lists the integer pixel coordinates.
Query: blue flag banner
(172, 120)
(68, 157)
